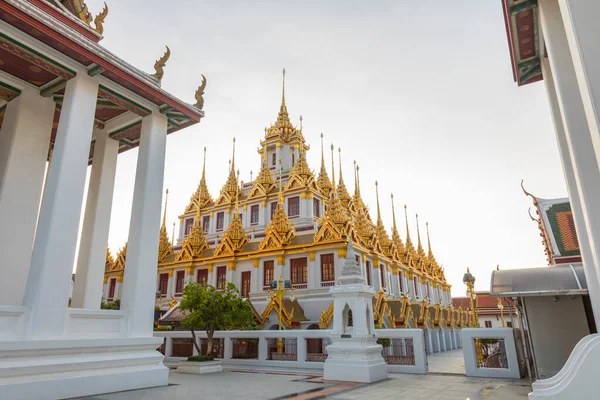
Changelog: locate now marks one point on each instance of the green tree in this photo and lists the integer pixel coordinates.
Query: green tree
(211, 310)
(111, 305)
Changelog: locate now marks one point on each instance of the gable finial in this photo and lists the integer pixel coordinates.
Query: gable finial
(159, 65)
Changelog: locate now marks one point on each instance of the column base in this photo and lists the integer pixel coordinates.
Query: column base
(578, 379)
(66, 368)
(355, 360)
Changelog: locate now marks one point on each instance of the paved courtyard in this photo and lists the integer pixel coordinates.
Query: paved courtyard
(447, 362)
(302, 385)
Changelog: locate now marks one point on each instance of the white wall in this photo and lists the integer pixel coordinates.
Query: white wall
(555, 327)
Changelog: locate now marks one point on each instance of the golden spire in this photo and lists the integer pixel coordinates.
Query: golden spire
(283, 92)
(264, 182)
(202, 195)
(280, 232)
(428, 241)
(410, 249)
(395, 235)
(119, 263)
(235, 237)
(434, 268)
(377, 197)
(420, 252)
(301, 177)
(195, 243)
(323, 181)
(332, 170)
(356, 185)
(343, 194)
(231, 187)
(173, 234)
(109, 258)
(165, 247)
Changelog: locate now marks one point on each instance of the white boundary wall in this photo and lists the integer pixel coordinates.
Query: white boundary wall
(416, 335)
(468, 340)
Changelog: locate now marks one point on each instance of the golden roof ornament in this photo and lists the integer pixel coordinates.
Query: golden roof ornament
(119, 264)
(165, 248)
(195, 243)
(159, 65)
(109, 258)
(280, 232)
(434, 268)
(80, 10)
(199, 95)
(357, 202)
(323, 182)
(364, 229)
(235, 237)
(264, 182)
(99, 20)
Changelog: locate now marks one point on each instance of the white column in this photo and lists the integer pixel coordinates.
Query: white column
(24, 142)
(567, 164)
(580, 19)
(396, 284)
(49, 280)
(375, 277)
(140, 270)
(96, 223)
(585, 179)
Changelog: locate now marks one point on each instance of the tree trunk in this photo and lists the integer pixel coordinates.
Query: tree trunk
(195, 341)
(209, 342)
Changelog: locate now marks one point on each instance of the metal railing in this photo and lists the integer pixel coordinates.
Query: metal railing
(316, 349)
(491, 353)
(244, 349)
(290, 349)
(398, 351)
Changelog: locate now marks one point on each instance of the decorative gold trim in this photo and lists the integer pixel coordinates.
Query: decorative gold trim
(311, 256)
(280, 260)
(256, 262)
(231, 265)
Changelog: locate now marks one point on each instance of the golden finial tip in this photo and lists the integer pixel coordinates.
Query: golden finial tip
(332, 147)
(377, 184)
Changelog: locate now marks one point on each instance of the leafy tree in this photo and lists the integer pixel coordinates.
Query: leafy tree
(211, 310)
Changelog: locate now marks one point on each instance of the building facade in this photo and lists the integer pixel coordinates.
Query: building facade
(289, 223)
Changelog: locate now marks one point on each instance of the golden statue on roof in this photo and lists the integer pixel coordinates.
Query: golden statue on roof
(159, 65)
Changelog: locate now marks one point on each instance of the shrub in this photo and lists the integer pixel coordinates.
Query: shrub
(385, 342)
(163, 328)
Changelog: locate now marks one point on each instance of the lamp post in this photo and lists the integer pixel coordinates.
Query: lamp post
(501, 308)
(278, 290)
(469, 280)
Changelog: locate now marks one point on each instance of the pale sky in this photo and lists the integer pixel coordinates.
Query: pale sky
(420, 94)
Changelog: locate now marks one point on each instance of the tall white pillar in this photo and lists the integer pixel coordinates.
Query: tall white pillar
(396, 283)
(580, 19)
(585, 182)
(24, 142)
(140, 271)
(49, 280)
(87, 290)
(567, 164)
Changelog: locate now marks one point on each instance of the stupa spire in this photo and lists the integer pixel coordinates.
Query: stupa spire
(165, 248)
(377, 197)
(164, 221)
(323, 182)
(332, 168)
(408, 241)
(283, 92)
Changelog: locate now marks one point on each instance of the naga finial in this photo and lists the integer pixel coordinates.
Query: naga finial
(159, 65)
(199, 94)
(81, 9)
(99, 20)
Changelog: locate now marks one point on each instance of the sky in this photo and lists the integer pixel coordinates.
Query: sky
(420, 94)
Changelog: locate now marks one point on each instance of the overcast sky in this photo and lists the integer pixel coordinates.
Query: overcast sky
(420, 94)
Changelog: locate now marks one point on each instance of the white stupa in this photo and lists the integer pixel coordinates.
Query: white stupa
(354, 354)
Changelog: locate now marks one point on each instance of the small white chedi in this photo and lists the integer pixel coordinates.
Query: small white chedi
(354, 354)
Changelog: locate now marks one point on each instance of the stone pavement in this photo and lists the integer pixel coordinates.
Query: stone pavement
(266, 384)
(447, 362)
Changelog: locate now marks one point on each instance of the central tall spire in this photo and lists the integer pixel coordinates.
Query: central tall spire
(323, 182)
(283, 92)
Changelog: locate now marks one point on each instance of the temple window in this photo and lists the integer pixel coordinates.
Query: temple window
(298, 269)
(368, 270)
(188, 226)
(416, 282)
(220, 220)
(205, 223)
(273, 208)
(180, 279)
(327, 268)
(401, 281)
(274, 159)
(294, 207)
(268, 273)
(382, 274)
(202, 276)
(246, 279)
(254, 214)
(163, 284)
(111, 288)
(316, 208)
(221, 277)
(293, 159)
